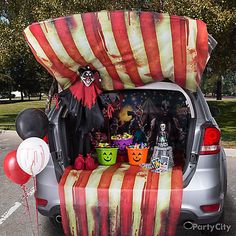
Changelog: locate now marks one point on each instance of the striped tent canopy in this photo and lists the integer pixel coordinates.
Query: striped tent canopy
(128, 48)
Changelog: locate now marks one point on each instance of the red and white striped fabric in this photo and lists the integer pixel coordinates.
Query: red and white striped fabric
(128, 48)
(120, 200)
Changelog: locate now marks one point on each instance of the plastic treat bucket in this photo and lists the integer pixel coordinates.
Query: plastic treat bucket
(137, 156)
(122, 143)
(107, 156)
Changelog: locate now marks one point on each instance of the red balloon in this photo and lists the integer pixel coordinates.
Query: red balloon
(12, 169)
(45, 138)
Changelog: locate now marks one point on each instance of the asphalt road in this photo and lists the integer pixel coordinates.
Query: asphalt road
(15, 219)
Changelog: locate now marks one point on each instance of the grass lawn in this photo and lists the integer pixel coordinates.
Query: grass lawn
(226, 120)
(8, 112)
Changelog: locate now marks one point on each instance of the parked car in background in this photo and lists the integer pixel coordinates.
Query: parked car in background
(7, 95)
(16, 93)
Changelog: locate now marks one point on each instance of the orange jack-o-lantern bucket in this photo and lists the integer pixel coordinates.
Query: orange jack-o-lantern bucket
(137, 156)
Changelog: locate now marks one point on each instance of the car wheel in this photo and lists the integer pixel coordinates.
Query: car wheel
(57, 222)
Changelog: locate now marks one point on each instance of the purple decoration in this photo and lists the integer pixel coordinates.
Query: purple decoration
(122, 143)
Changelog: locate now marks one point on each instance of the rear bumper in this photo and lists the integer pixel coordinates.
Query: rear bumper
(186, 216)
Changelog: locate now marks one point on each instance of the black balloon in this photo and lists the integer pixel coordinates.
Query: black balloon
(31, 123)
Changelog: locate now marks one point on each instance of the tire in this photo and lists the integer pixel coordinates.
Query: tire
(56, 222)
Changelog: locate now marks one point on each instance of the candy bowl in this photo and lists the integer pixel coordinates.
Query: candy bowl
(106, 154)
(137, 154)
(122, 141)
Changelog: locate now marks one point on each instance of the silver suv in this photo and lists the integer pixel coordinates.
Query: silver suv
(203, 163)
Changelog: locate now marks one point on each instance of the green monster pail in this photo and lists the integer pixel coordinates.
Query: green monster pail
(107, 156)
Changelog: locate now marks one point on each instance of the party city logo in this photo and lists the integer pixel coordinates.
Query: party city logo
(207, 227)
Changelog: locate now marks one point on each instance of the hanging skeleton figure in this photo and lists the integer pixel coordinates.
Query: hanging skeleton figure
(81, 101)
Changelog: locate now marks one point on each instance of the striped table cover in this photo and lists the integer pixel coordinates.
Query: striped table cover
(120, 200)
(128, 48)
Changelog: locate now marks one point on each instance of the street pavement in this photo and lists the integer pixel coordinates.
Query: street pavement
(15, 219)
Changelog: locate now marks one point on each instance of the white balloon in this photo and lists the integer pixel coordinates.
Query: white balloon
(33, 155)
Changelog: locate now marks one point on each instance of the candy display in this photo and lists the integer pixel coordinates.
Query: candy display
(122, 140)
(137, 153)
(121, 136)
(106, 154)
(139, 146)
(135, 123)
(103, 145)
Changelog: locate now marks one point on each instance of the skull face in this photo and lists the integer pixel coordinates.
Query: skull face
(87, 78)
(163, 127)
(137, 156)
(107, 156)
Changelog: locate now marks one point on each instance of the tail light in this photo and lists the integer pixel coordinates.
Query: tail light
(210, 208)
(211, 141)
(41, 202)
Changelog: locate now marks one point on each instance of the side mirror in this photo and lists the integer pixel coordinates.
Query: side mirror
(215, 111)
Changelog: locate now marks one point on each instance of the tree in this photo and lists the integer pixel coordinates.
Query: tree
(6, 84)
(15, 57)
(229, 84)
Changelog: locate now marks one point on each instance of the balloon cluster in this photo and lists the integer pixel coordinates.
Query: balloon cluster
(33, 153)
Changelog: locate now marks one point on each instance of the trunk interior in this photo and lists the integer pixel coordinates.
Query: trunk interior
(139, 113)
